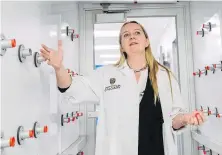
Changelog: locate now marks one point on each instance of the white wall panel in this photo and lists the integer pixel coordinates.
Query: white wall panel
(30, 94)
(25, 88)
(69, 16)
(208, 51)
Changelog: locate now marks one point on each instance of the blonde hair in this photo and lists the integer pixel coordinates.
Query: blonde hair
(151, 62)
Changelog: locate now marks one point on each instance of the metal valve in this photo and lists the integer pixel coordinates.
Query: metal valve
(69, 31)
(71, 116)
(74, 36)
(195, 73)
(217, 114)
(64, 120)
(219, 66)
(209, 112)
(210, 68)
(78, 114)
(199, 73)
(22, 134)
(203, 110)
(201, 147)
(80, 153)
(6, 43)
(37, 129)
(68, 115)
(71, 73)
(209, 26)
(209, 152)
(38, 59)
(201, 32)
(23, 53)
(4, 143)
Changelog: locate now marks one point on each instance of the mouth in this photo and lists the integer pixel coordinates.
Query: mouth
(133, 43)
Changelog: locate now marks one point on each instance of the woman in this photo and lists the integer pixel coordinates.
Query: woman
(140, 103)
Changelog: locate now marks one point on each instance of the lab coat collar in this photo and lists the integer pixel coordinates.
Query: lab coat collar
(126, 67)
(123, 66)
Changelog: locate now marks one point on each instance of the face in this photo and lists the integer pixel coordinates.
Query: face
(133, 40)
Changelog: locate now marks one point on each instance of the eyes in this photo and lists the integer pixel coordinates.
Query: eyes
(127, 34)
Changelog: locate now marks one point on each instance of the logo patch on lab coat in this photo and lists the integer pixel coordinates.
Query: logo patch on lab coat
(112, 81)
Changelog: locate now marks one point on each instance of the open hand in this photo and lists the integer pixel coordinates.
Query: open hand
(53, 57)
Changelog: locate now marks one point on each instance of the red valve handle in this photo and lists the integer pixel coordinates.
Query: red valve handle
(31, 133)
(207, 67)
(45, 129)
(13, 42)
(12, 142)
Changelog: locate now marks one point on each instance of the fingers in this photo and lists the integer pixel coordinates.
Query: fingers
(59, 44)
(199, 118)
(60, 50)
(196, 118)
(44, 54)
(202, 116)
(195, 121)
(45, 48)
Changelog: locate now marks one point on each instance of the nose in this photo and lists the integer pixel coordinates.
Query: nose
(132, 36)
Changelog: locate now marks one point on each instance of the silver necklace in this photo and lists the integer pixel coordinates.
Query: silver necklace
(137, 70)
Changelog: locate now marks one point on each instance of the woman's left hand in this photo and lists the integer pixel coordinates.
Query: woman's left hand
(195, 118)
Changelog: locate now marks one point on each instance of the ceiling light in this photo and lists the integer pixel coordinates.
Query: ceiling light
(106, 34)
(106, 47)
(109, 56)
(109, 62)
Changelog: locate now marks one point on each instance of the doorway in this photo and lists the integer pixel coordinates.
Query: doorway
(168, 32)
(162, 35)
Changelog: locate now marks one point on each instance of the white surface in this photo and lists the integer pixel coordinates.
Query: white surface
(29, 94)
(208, 50)
(214, 145)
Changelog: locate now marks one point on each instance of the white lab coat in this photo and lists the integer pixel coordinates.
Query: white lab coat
(117, 128)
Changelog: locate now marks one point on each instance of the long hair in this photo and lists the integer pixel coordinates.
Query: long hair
(151, 62)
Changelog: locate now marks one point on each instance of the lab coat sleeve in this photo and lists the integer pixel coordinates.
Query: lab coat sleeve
(178, 105)
(84, 89)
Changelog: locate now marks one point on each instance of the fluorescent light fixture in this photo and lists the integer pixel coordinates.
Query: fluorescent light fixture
(109, 56)
(109, 62)
(106, 47)
(98, 34)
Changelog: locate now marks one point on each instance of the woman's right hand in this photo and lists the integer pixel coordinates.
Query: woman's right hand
(53, 57)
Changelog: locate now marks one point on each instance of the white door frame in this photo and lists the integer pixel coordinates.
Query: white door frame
(181, 11)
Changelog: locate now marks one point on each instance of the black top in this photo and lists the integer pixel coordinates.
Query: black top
(150, 124)
(62, 90)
